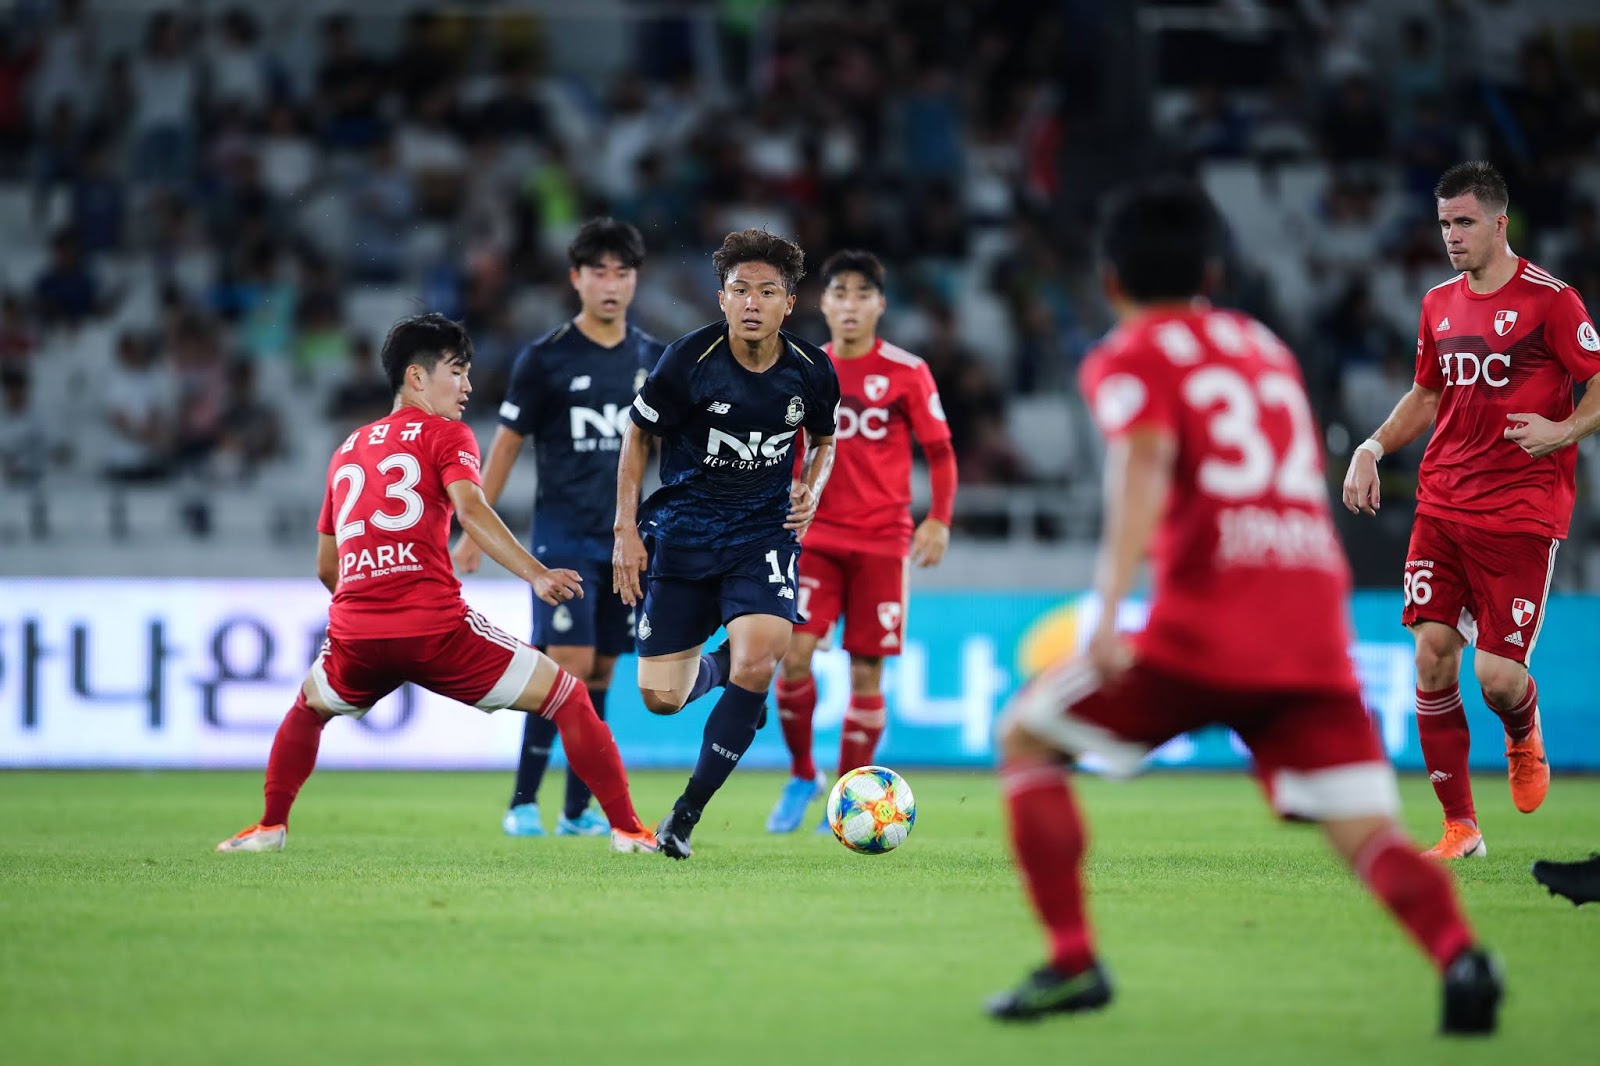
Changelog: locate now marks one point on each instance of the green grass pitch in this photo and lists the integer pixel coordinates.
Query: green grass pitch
(401, 927)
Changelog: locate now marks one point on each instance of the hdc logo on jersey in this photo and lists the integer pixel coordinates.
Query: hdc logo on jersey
(873, 423)
(1522, 611)
(876, 386)
(1503, 321)
(1469, 368)
(609, 422)
(754, 449)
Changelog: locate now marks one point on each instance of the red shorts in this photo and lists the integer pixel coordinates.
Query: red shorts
(1490, 587)
(869, 591)
(475, 663)
(1317, 753)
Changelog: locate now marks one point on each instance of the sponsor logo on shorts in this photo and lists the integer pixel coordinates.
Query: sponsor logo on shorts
(1516, 638)
(1523, 611)
(786, 593)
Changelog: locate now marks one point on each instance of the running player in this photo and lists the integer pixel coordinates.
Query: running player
(570, 391)
(856, 563)
(397, 613)
(1499, 348)
(1212, 467)
(721, 535)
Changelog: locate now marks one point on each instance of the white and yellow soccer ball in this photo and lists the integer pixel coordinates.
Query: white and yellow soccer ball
(871, 810)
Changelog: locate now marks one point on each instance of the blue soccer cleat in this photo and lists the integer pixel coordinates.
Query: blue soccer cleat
(523, 821)
(591, 823)
(797, 794)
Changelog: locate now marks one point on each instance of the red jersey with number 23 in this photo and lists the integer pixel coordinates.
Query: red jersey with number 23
(1249, 581)
(1516, 350)
(387, 508)
(886, 397)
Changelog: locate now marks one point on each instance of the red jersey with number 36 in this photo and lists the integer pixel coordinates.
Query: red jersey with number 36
(1249, 581)
(387, 508)
(1516, 350)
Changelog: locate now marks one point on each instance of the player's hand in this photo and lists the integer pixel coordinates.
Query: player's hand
(929, 542)
(467, 555)
(556, 587)
(802, 507)
(1361, 483)
(628, 560)
(1109, 653)
(1536, 434)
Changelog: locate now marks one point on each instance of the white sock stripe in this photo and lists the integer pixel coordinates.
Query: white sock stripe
(870, 719)
(1377, 843)
(1439, 701)
(558, 694)
(1026, 778)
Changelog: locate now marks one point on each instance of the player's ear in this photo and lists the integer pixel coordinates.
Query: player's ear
(722, 299)
(788, 306)
(572, 277)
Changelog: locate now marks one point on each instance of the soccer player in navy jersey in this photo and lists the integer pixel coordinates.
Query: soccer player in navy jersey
(570, 391)
(718, 542)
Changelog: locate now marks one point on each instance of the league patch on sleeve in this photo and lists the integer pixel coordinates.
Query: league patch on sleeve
(1587, 338)
(1118, 401)
(936, 407)
(645, 409)
(467, 459)
(511, 411)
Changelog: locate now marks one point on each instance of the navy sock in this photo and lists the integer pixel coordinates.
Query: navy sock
(730, 730)
(538, 733)
(577, 792)
(709, 677)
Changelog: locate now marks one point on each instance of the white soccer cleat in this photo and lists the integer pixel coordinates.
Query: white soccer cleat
(257, 838)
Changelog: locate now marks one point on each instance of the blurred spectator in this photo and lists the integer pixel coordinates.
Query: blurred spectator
(1429, 143)
(1580, 266)
(66, 292)
(166, 87)
(99, 203)
(236, 70)
(382, 199)
(16, 337)
(288, 159)
(66, 56)
(252, 433)
(200, 377)
(349, 87)
(58, 155)
(1214, 126)
(364, 394)
(515, 110)
(16, 68)
(1355, 126)
(137, 400)
(1418, 72)
(930, 124)
(26, 442)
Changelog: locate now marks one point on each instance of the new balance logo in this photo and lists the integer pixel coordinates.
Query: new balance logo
(719, 407)
(1444, 324)
(1516, 638)
(1439, 777)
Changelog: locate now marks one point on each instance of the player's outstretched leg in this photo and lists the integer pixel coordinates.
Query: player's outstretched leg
(1512, 694)
(797, 703)
(1048, 840)
(1442, 728)
(522, 814)
(578, 818)
(293, 756)
(1577, 881)
(1419, 895)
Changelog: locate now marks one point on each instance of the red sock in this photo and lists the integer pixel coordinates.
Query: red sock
(1049, 841)
(1417, 892)
(591, 750)
(294, 755)
(858, 739)
(1442, 728)
(1519, 719)
(797, 702)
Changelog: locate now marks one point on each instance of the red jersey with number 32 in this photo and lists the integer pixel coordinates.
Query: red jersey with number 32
(387, 508)
(1249, 581)
(1516, 350)
(886, 397)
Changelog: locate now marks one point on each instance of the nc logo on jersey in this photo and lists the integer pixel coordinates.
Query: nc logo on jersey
(796, 411)
(1522, 611)
(755, 447)
(876, 387)
(1503, 321)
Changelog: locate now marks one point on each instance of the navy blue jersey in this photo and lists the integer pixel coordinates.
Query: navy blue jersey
(728, 437)
(571, 396)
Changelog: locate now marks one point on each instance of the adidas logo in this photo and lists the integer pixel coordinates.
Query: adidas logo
(1438, 777)
(1515, 638)
(1444, 324)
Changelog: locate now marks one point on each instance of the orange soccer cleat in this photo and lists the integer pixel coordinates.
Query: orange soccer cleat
(1528, 769)
(626, 843)
(1461, 840)
(256, 838)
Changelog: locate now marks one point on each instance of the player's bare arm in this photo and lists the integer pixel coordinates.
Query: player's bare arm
(484, 525)
(628, 557)
(1409, 420)
(1538, 436)
(327, 561)
(1138, 478)
(503, 451)
(806, 491)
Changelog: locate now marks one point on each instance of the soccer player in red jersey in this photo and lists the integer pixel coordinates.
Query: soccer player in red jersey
(397, 613)
(857, 554)
(1499, 347)
(1212, 466)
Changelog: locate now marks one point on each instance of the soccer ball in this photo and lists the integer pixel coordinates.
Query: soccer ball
(871, 810)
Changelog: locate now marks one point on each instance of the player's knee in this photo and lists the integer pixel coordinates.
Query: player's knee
(1438, 659)
(1016, 742)
(1503, 682)
(866, 675)
(658, 702)
(754, 669)
(796, 666)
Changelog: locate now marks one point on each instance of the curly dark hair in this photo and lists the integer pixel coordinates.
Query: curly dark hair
(423, 340)
(759, 246)
(1478, 178)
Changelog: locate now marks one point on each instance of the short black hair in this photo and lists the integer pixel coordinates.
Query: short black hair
(759, 246)
(1480, 179)
(600, 237)
(1159, 236)
(423, 340)
(854, 261)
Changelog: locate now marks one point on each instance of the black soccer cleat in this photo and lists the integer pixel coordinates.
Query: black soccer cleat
(672, 835)
(1473, 989)
(1577, 881)
(1045, 991)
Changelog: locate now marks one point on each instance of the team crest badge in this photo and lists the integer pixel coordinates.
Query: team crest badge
(796, 411)
(1522, 612)
(1503, 321)
(876, 386)
(638, 378)
(889, 619)
(644, 627)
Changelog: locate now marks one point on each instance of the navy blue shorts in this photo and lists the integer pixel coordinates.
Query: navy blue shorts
(689, 592)
(600, 620)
